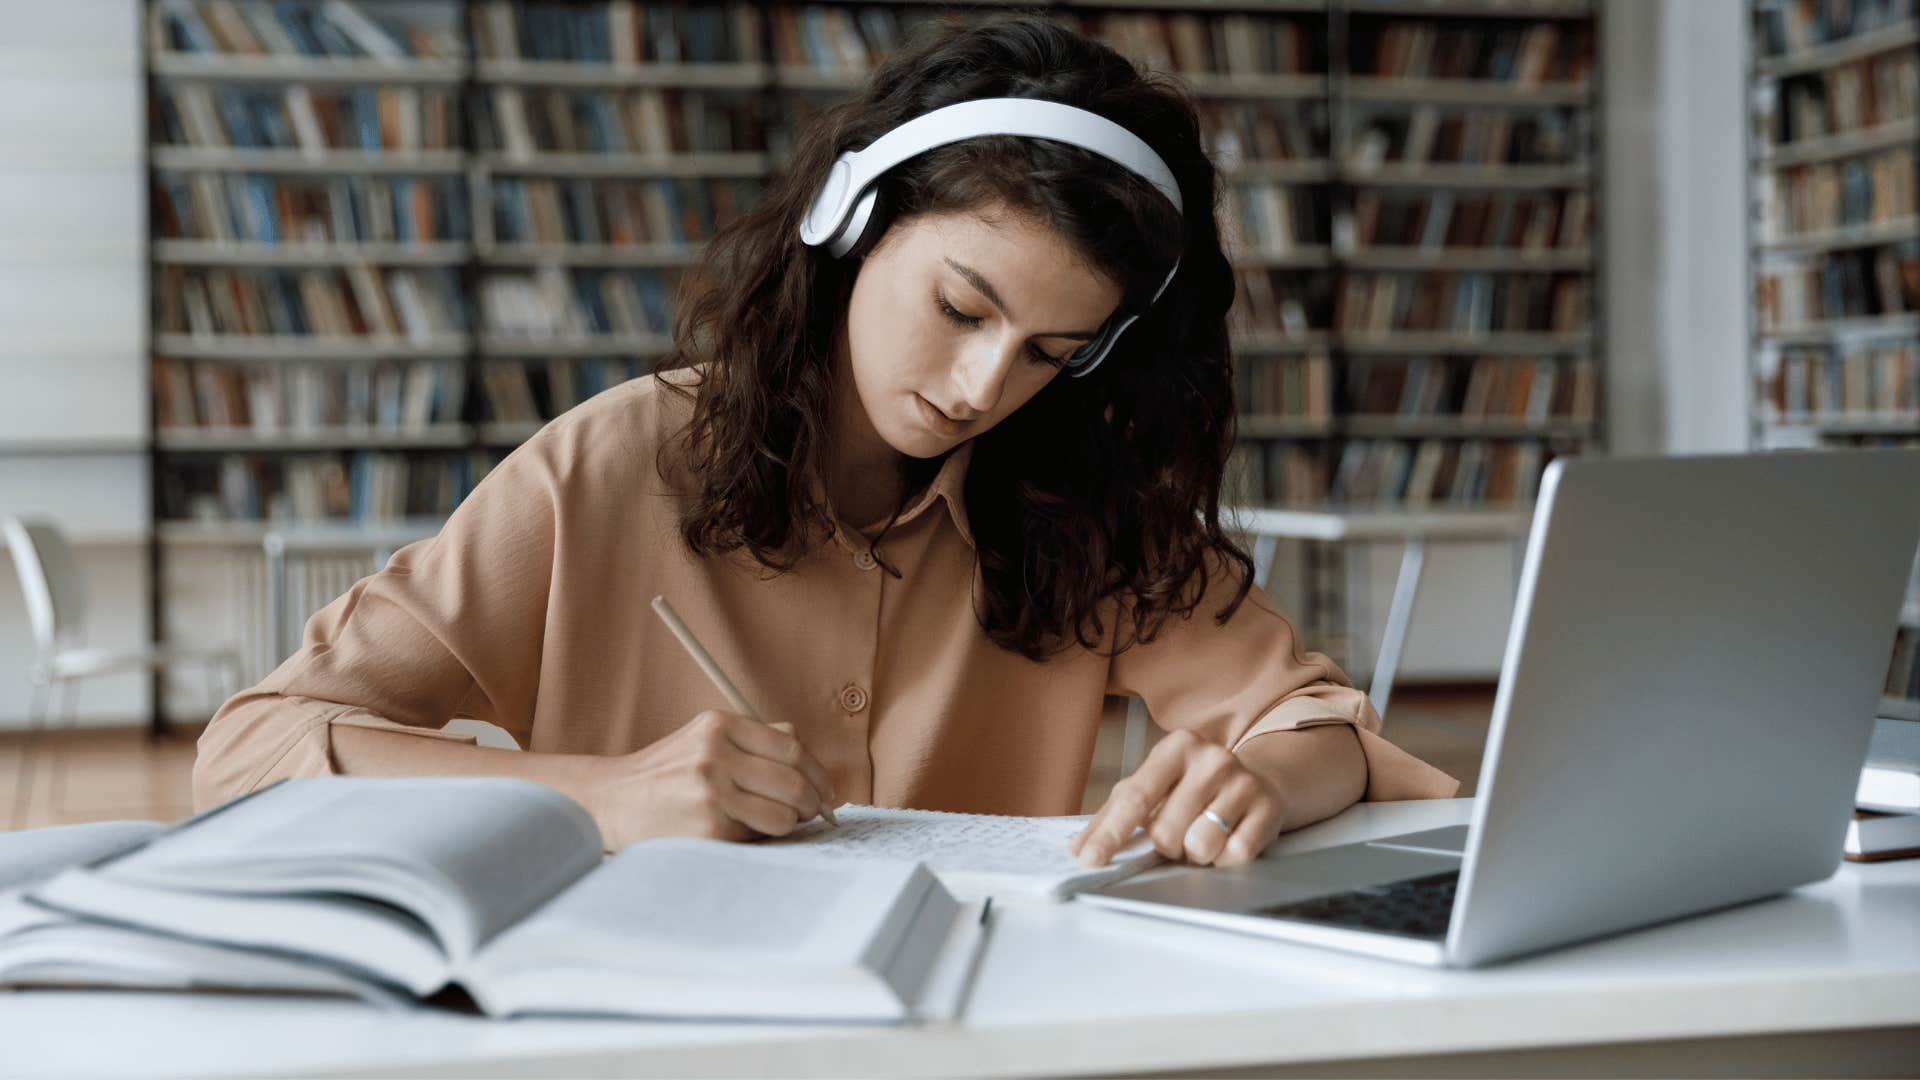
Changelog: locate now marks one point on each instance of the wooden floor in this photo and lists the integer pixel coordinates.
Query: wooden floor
(101, 775)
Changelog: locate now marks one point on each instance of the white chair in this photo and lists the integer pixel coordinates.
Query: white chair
(55, 596)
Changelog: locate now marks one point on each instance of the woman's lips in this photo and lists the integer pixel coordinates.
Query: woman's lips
(937, 420)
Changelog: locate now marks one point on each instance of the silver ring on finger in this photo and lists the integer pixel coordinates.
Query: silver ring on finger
(1211, 815)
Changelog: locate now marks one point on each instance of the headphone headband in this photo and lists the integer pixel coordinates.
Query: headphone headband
(839, 213)
(856, 170)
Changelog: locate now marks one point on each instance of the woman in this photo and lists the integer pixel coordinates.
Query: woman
(916, 545)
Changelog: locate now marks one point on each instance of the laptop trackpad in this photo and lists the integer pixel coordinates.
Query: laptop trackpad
(1281, 879)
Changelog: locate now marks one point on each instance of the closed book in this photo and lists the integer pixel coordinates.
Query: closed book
(510, 114)
(268, 29)
(1874, 836)
(230, 28)
(1890, 781)
(372, 38)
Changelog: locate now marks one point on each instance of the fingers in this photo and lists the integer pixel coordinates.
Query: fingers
(1208, 770)
(1132, 803)
(1251, 837)
(777, 783)
(1203, 841)
(815, 773)
(1126, 809)
(768, 817)
(776, 743)
(1182, 778)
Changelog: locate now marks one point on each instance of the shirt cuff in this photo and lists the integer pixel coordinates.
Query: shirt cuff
(1392, 773)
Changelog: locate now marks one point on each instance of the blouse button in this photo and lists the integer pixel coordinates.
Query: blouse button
(853, 698)
(865, 560)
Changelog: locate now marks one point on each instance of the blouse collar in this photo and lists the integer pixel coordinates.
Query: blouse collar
(949, 486)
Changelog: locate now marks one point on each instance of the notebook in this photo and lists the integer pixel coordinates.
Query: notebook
(498, 887)
(974, 855)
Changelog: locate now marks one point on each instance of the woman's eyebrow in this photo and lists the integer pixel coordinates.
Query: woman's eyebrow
(987, 290)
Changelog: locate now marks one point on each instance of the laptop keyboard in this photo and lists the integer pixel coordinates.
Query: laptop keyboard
(1417, 907)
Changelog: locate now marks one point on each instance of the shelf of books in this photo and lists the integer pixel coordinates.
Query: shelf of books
(312, 333)
(612, 141)
(1463, 217)
(357, 201)
(1834, 228)
(361, 211)
(1446, 351)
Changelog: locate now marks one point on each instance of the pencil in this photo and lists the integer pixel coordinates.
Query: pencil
(707, 664)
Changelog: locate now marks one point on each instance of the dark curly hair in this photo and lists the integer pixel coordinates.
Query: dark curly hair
(1099, 492)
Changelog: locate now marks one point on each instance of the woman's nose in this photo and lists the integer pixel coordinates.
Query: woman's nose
(982, 375)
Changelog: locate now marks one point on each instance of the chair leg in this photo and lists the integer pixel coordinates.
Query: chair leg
(57, 764)
(23, 771)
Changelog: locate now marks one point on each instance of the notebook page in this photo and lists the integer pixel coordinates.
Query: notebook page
(972, 854)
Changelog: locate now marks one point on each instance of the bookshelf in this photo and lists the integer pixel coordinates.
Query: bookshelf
(612, 142)
(311, 261)
(1413, 207)
(312, 337)
(1833, 138)
(388, 244)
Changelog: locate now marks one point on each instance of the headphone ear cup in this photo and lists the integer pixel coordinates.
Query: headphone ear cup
(1096, 350)
(824, 214)
(859, 224)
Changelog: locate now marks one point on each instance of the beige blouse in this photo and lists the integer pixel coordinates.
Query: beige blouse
(530, 610)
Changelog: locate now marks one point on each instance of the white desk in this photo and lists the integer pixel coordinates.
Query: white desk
(1825, 980)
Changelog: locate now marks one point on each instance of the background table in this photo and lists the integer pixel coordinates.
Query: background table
(1413, 529)
(1264, 528)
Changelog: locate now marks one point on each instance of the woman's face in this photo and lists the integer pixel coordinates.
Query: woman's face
(956, 320)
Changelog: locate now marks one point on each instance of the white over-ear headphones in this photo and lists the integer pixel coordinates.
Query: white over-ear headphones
(841, 209)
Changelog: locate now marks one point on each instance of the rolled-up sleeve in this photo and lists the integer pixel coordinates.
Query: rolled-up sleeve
(452, 626)
(1251, 676)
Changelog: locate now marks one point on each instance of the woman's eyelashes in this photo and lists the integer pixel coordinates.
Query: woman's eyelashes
(1039, 356)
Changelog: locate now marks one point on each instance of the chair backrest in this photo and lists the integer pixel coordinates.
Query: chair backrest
(49, 578)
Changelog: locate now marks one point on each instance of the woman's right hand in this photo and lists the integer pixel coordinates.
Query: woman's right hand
(722, 776)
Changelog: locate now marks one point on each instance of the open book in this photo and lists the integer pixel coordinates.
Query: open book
(498, 886)
(42, 947)
(974, 855)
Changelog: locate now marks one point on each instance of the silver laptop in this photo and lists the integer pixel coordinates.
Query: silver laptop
(1695, 659)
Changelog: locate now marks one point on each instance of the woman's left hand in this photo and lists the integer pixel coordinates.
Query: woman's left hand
(1171, 793)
